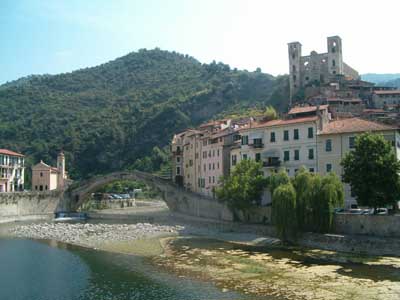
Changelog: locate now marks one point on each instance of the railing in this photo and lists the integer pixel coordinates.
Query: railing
(257, 145)
(271, 163)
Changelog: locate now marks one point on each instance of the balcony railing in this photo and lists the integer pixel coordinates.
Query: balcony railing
(256, 145)
(272, 163)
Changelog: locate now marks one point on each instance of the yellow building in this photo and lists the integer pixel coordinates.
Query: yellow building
(338, 138)
(47, 178)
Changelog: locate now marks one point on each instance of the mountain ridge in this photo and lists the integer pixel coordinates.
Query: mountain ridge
(110, 117)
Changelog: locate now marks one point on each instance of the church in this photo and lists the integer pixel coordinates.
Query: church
(48, 178)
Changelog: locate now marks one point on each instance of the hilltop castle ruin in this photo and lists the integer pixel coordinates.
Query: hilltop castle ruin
(318, 68)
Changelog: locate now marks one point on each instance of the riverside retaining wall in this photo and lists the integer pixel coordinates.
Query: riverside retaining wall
(373, 225)
(29, 205)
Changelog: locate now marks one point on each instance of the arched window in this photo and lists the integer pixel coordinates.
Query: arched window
(333, 47)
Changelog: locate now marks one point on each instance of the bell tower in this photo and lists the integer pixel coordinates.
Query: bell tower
(335, 56)
(61, 170)
(294, 68)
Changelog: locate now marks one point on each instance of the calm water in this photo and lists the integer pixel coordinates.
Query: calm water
(33, 270)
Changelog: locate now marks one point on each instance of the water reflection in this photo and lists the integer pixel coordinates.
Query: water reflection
(33, 270)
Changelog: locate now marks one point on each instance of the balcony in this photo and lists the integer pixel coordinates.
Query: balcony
(272, 162)
(177, 152)
(257, 145)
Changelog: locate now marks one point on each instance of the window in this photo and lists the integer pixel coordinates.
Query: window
(41, 174)
(272, 139)
(286, 135)
(258, 156)
(191, 162)
(310, 132)
(217, 152)
(234, 160)
(352, 143)
(41, 188)
(286, 155)
(209, 153)
(209, 179)
(178, 171)
(217, 165)
(213, 153)
(245, 140)
(204, 142)
(328, 168)
(310, 153)
(296, 154)
(213, 166)
(205, 167)
(45, 187)
(178, 159)
(311, 170)
(296, 134)
(328, 145)
(257, 142)
(36, 187)
(333, 63)
(244, 156)
(213, 179)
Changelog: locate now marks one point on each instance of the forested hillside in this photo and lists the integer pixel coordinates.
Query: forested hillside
(112, 116)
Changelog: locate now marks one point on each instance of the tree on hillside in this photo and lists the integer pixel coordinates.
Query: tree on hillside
(372, 170)
(244, 187)
(284, 211)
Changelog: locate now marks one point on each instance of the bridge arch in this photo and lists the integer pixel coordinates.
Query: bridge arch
(79, 192)
(176, 198)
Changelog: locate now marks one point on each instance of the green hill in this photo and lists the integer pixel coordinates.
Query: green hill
(110, 117)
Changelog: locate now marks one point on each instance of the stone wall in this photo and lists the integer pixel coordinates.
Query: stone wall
(29, 205)
(383, 226)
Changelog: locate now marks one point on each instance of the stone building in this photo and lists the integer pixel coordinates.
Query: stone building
(47, 178)
(12, 171)
(317, 68)
(387, 99)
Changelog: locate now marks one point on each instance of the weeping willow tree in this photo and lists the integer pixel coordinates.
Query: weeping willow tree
(284, 211)
(303, 184)
(316, 197)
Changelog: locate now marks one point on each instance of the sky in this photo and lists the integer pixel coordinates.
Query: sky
(55, 36)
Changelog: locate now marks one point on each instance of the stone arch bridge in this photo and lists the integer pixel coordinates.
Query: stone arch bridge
(177, 198)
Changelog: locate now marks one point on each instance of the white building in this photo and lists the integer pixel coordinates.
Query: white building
(12, 171)
(338, 138)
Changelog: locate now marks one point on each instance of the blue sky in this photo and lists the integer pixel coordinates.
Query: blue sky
(47, 36)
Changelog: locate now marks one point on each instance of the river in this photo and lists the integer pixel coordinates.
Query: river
(48, 270)
(197, 266)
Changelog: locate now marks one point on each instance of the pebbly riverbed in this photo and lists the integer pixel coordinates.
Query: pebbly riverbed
(94, 235)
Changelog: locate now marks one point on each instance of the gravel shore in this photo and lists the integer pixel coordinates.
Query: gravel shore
(93, 235)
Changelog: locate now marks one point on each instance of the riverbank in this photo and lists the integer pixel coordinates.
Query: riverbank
(233, 259)
(283, 273)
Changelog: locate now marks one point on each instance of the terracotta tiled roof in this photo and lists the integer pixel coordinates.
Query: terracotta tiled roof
(344, 100)
(391, 92)
(354, 125)
(305, 109)
(373, 110)
(281, 122)
(11, 153)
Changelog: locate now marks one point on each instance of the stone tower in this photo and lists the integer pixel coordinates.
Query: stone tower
(335, 56)
(294, 68)
(61, 170)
